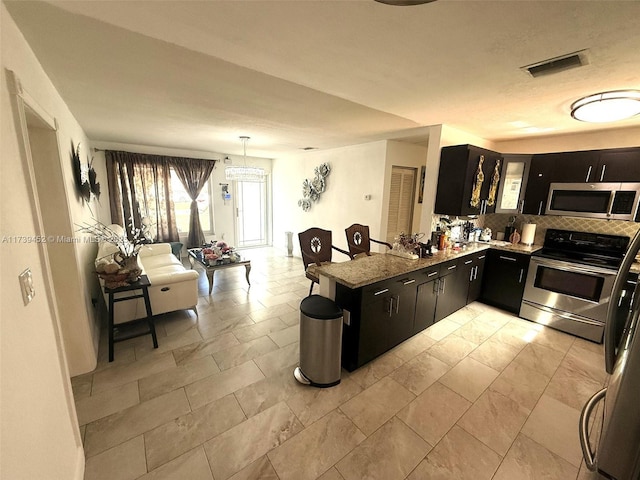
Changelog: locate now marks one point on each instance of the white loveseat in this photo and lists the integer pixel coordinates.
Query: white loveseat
(173, 287)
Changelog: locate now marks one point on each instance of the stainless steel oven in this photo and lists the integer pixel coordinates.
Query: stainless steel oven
(568, 296)
(569, 282)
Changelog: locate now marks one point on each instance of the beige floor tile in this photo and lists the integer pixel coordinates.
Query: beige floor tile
(273, 311)
(286, 336)
(126, 424)
(261, 469)
(373, 371)
(554, 425)
(267, 392)
(114, 377)
(178, 322)
(176, 377)
(197, 350)
(274, 361)
(469, 378)
(291, 318)
(169, 343)
(521, 384)
(496, 354)
(528, 460)
(495, 420)
(464, 315)
(540, 358)
(192, 465)
(317, 448)
(221, 384)
(441, 329)
(421, 372)
(476, 331)
(125, 461)
(434, 412)
(331, 474)
(554, 339)
(221, 326)
(234, 449)
(513, 335)
(106, 403)
(391, 453)
(586, 363)
(458, 456)
(234, 356)
(452, 349)
(178, 436)
(377, 404)
(310, 404)
(571, 387)
(81, 386)
(275, 300)
(413, 347)
(257, 330)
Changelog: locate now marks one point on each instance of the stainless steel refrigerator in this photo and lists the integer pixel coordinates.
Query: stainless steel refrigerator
(616, 453)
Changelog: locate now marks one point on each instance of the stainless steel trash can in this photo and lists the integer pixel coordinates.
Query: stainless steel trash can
(320, 342)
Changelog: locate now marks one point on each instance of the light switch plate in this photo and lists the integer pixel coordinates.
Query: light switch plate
(26, 286)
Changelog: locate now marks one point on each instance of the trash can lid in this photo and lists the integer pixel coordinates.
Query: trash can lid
(322, 308)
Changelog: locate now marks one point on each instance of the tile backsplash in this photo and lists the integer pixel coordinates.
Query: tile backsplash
(497, 221)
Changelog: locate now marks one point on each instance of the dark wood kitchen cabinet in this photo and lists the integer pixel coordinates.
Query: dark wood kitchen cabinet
(538, 181)
(426, 299)
(505, 274)
(456, 177)
(453, 288)
(618, 165)
(475, 272)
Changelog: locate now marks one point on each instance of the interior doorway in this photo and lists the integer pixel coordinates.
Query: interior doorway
(251, 213)
(401, 199)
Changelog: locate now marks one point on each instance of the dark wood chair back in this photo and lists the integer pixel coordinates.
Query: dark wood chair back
(315, 247)
(359, 241)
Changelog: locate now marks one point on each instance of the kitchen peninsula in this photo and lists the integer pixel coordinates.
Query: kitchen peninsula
(387, 299)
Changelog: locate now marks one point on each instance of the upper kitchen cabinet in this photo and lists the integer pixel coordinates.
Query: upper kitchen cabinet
(513, 184)
(574, 167)
(538, 181)
(468, 181)
(618, 165)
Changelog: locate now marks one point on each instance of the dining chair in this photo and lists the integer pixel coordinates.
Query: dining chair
(316, 248)
(359, 241)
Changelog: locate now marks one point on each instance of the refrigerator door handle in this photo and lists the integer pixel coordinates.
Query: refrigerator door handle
(585, 416)
(618, 285)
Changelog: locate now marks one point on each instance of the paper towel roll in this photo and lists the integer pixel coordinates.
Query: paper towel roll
(528, 233)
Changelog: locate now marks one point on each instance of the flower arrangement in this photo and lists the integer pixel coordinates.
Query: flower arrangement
(219, 252)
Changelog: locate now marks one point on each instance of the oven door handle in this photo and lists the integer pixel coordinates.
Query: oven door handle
(587, 453)
(548, 262)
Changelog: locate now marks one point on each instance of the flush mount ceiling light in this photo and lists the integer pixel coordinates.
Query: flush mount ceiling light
(244, 173)
(404, 3)
(607, 106)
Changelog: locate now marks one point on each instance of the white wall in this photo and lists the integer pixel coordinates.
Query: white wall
(355, 172)
(38, 427)
(223, 211)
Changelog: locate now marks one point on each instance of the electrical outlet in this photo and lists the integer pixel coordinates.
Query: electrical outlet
(26, 286)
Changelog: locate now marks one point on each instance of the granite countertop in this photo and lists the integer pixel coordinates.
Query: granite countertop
(367, 270)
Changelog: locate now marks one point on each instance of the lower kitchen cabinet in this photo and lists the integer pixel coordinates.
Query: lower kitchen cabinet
(504, 278)
(426, 299)
(475, 273)
(453, 289)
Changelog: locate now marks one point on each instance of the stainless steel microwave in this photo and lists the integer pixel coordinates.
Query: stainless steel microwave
(613, 201)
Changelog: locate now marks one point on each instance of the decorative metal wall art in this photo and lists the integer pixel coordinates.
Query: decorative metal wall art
(477, 184)
(85, 176)
(312, 188)
(493, 188)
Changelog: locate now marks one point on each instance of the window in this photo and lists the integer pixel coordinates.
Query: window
(182, 206)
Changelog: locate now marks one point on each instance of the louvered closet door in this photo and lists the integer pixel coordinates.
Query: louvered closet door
(401, 199)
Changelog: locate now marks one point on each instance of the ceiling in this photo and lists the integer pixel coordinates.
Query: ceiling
(304, 73)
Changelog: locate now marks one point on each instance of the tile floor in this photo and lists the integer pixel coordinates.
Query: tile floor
(480, 395)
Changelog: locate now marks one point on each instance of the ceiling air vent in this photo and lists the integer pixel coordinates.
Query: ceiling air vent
(557, 64)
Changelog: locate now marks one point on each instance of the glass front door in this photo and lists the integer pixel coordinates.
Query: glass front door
(251, 213)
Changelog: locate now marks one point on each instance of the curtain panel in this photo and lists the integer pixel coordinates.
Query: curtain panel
(193, 173)
(139, 187)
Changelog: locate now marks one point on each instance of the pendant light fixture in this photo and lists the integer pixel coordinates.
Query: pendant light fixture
(244, 173)
(607, 106)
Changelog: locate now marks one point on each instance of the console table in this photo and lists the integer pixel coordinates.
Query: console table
(196, 257)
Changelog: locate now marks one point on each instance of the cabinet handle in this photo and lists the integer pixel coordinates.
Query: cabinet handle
(475, 272)
(481, 257)
(397, 299)
(443, 282)
(521, 208)
(436, 286)
(588, 173)
(390, 311)
(382, 291)
(471, 274)
(521, 274)
(540, 208)
(511, 259)
(408, 282)
(431, 274)
(468, 262)
(452, 267)
(604, 167)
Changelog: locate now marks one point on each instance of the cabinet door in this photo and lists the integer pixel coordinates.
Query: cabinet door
(427, 296)
(574, 167)
(513, 184)
(619, 165)
(454, 287)
(403, 310)
(491, 160)
(475, 277)
(538, 181)
(376, 313)
(504, 277)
